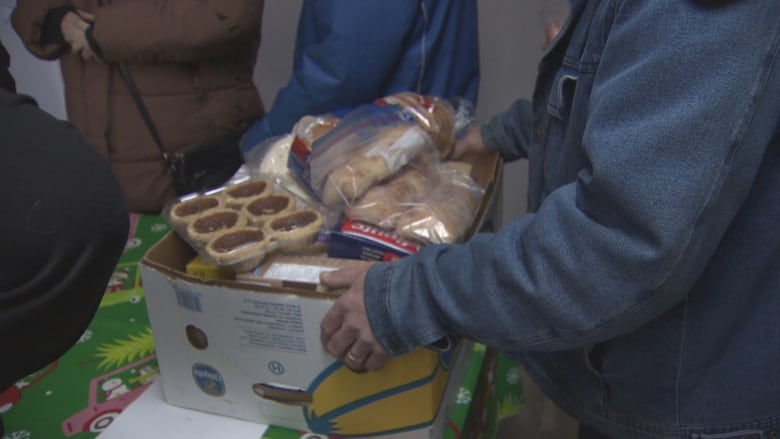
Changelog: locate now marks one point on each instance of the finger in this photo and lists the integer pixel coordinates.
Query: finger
(340, 278)
(358, 369)
(85, 15)
(330, 323)
(359, 351)
(354, 362)
(336, 337)
(376, 360)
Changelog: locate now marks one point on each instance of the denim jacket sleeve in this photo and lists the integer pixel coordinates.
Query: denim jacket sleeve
(509, 132)
(679, 108)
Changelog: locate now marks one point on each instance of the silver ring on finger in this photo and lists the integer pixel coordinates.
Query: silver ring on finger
(352, 357)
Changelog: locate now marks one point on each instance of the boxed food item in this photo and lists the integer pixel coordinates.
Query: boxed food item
(302, 272)
(358, 240)
(254, 353)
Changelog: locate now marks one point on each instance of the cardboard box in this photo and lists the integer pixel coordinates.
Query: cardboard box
(254, 353)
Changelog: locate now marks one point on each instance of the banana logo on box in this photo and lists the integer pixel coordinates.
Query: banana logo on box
(404, 395)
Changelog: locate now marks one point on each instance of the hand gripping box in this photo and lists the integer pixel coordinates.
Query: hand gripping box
(254, 353)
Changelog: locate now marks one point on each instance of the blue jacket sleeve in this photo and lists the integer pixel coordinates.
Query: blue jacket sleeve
(509, 132)
(345, 51)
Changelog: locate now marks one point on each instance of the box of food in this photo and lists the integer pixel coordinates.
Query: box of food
(253, 352)
(251, 349)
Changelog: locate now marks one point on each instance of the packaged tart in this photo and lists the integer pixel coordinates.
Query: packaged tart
(294, 230)
(259, 209)
(239, 249)
(212, 222)
(238, 194)
(187, 209)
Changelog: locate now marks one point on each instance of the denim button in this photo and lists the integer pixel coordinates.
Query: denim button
(537, 134)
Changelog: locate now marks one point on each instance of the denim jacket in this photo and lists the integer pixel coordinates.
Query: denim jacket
(643, 289)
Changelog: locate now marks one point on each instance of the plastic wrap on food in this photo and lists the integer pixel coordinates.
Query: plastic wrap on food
(370, 144)
(235, 226)
(434, 115)
(446, 213)
(271, 159)
(309, 129)
(382, 204)
(386, 154)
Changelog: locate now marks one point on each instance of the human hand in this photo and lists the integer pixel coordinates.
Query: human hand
(344, 330)
(74, 29)
(72, 26)
(471, 143)
(86, 16)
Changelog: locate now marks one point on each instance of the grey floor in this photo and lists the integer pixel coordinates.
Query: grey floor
(540, 418)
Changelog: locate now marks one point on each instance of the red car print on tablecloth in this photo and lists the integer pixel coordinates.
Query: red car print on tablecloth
(110, 393)
(12, 395)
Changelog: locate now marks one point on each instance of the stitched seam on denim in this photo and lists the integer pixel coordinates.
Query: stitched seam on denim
(385, 309)
(679, 363)
(631, 424)
(626, 315)
(739, 134)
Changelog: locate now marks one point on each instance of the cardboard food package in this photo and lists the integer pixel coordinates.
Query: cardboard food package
(253, 352)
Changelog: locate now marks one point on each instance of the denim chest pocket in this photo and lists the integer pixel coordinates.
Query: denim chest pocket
(561, 98)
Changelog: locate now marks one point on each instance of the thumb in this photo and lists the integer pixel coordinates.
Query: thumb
(86, 15)
(342, 278)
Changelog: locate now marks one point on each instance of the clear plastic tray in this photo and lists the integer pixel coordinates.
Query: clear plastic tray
(237, 225)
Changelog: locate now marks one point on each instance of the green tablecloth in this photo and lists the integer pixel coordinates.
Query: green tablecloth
(114, 361)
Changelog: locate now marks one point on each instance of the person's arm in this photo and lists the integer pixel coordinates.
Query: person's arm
(509, 132)
(37, 25)
(173, 30)
(64, 227)
(673, 148)
(358, 44)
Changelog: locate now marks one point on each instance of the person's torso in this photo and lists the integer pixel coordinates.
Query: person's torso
(440, 51)
(709, 365)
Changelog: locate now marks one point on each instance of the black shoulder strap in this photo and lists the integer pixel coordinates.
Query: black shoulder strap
(144, 112)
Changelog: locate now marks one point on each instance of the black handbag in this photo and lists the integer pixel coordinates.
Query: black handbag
(205, 167)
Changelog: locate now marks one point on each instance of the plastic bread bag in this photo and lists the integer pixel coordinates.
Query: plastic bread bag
(383, 203)
(447, 212)
(465, 116)
(269, 156)
(309, 129)
(369, 145)
(436, 116)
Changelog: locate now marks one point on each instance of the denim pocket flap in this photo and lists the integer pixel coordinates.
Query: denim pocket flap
(562, 93)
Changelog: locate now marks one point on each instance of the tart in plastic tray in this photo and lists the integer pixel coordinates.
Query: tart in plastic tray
(237, 225)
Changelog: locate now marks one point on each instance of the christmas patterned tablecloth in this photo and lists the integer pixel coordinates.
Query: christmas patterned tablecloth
(113, 362)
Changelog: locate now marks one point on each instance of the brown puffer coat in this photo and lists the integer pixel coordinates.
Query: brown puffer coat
(192, 61)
